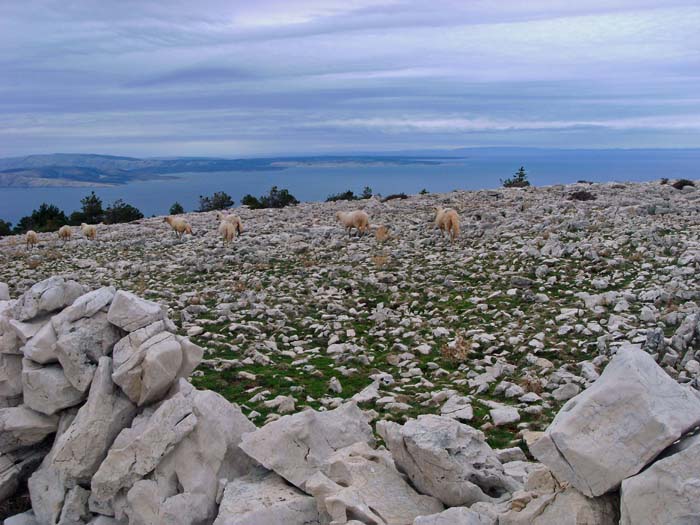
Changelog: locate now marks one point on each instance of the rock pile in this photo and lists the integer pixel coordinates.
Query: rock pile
(99, 419)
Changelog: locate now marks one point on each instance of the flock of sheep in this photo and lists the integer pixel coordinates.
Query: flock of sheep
(231, 226)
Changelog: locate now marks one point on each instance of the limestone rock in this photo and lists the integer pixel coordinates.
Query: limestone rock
(149, 371)
(666, 492)
(447, 459)
(137, 450)
(296, 446)
(10, 380)
(82, 344)
(610, 431)
(46, 296)
(46, 388)
(455, 516)
(360, 483)
(130, 312)
(16, 467)
(80, 450)
(264, 498)
(22, 427)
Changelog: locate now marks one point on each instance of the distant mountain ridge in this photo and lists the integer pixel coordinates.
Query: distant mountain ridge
(69, 169)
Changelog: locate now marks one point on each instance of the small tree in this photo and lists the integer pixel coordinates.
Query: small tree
(91, 211)
(519, 180)
(367, 192)
(423, 192)
(120, 211)
(176, 209)
(219, 201)
(5, 228)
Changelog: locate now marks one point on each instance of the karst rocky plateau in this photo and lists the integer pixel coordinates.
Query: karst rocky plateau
(543, 369)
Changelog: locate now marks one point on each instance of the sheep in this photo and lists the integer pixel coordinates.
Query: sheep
(89, 230)
(357, 219)
(179, 226)
(448, 222)
(31, 238)
(65, 233)
(233, 219)
(227, 230)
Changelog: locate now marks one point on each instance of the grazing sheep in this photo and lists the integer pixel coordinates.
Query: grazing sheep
(357, 219)
(179, 226)
(233, 219)
(227, 230)
(382, 233)
(65, 233)
(32, 239)
(448, 222)
(89, 230)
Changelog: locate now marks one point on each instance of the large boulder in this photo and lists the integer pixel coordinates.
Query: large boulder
(296, 446)
(264, 498)
(46, 388)
(197, 464)
(149, 371)
(10, 380)
(81, 344)
(80, 450)
(137, 450)
(130, 312)
(9, 341)
(546, 501)
(360, 483)
(16, 467)
(23, 427)
(447, 459)
(46, 296)
(613, 429)
(42, 347)
(455, 516)
(666, 492)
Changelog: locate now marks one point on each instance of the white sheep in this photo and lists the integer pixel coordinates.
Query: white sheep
(31, 238)
(179, 226)
(357, 219)
(65, 233)
(448, 221)
(228, 231)
(233, 219)
(89, 231)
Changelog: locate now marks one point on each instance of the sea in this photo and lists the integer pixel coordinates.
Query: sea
(315, 180)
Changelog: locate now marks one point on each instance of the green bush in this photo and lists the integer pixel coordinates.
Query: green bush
(276, 198)
(682, 183)
(395, 196)
(344, 196)
(91, 211)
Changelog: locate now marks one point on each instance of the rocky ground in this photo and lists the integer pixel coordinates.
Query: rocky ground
(497, 330)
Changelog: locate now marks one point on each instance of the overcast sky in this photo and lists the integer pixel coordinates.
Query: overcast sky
(254, 78)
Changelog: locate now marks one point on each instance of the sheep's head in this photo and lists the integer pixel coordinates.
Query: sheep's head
(338, 215)
(83, 225)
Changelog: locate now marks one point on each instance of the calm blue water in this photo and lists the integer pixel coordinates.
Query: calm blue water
(481, 168)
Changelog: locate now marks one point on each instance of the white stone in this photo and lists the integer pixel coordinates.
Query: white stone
(297, 445)
(666, 492)
(130, 312)
(447, 459)
(22, 427)
(611, 430)
(360, 483)
(46, 388)
(504, 415)
(264, 498)
(46, 296)
(455, 516)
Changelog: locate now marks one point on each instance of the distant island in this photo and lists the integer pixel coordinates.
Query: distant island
(82, 170)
